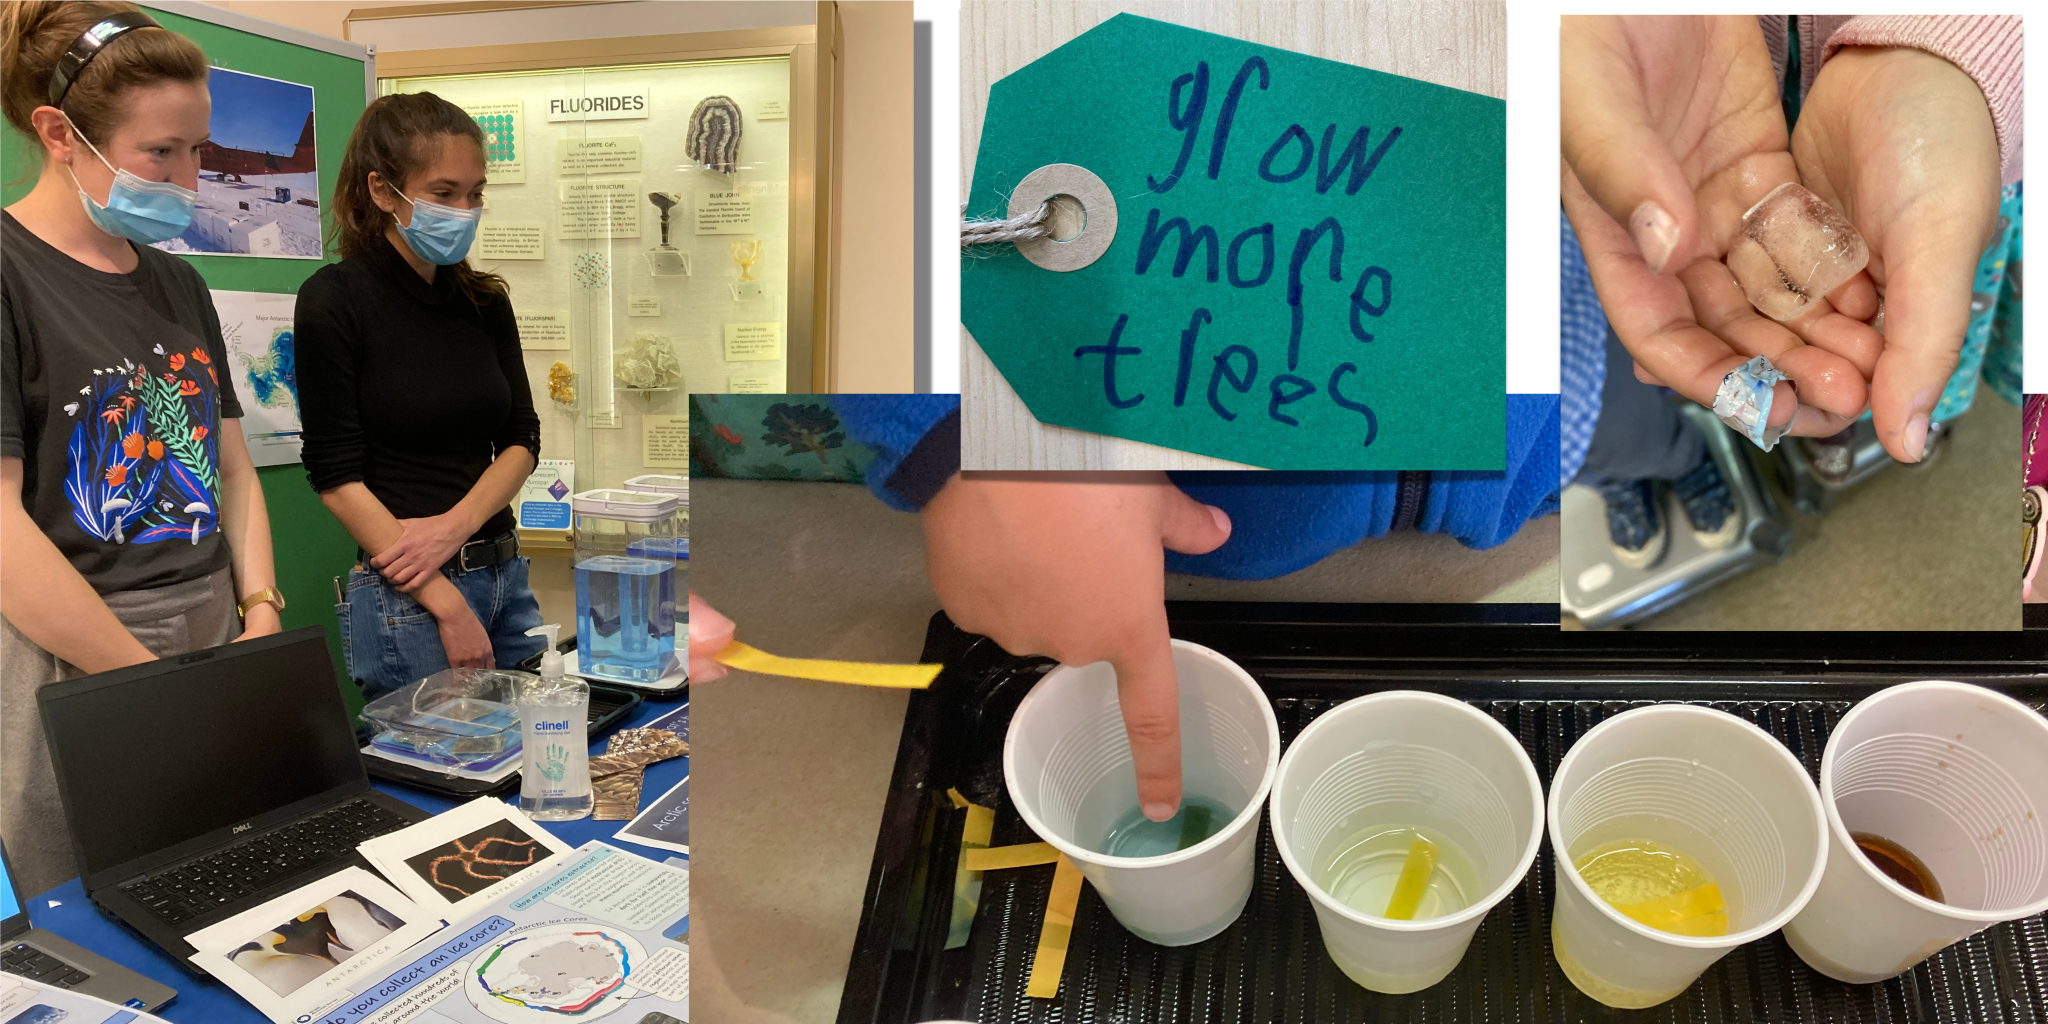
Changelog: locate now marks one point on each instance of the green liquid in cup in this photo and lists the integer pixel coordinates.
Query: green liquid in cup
(1135, 835)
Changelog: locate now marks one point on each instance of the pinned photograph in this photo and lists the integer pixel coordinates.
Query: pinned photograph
(459, 861)
(259, 179)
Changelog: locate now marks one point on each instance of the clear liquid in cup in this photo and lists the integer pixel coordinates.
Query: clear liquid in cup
(1657, 885)
(1135, 835)
(1363, 869)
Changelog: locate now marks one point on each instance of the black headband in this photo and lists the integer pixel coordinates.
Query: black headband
(89, 45)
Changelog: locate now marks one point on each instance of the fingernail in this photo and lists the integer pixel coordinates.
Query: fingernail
(1222, 521)
(1158, 811)
(1916, 435)
(1656, 234)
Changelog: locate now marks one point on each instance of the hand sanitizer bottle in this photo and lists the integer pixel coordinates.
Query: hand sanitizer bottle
(554, 719)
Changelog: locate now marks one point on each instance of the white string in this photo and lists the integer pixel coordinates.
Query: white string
(1021, 228)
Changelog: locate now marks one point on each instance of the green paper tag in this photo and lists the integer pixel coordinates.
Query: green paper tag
(1308, 270)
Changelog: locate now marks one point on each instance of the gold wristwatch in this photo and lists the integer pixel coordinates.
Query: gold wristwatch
(268, 595)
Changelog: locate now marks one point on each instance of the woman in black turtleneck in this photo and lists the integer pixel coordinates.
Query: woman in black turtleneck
(419, 428)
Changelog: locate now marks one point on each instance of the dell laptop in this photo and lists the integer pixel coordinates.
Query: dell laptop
(201, 785)
(34, 953)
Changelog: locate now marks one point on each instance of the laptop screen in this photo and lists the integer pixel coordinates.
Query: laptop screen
(10, 901)
(155, 755)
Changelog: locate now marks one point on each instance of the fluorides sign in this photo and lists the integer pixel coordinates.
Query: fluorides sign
(602, 103)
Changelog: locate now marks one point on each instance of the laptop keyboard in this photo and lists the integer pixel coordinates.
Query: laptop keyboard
(196, 887)
(30, 962)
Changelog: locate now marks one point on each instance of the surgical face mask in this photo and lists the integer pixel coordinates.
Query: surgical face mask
(142, 211)
(439, 234)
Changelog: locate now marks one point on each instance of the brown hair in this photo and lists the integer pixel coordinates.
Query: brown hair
(392, 140)
(35, 33)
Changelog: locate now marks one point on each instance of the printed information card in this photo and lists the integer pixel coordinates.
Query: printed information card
(753, 341)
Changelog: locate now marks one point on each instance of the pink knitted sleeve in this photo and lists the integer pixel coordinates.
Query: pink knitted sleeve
(1985, 47)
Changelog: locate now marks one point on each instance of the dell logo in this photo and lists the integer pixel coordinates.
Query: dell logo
(243, 827)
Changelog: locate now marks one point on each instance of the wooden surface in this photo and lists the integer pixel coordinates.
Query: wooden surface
(1450, 42)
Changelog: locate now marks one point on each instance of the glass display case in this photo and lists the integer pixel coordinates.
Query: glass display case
(643, 215)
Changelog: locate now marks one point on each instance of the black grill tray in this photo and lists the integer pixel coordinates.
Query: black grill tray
(1546, 687)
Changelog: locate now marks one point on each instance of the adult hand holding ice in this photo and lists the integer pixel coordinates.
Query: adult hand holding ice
(1671, 131)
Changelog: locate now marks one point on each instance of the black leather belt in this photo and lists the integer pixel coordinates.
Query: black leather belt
(477, 554)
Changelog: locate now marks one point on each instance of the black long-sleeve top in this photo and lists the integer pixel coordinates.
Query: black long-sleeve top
(407, 386)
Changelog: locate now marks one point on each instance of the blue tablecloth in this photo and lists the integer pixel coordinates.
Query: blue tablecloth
(206, 1001)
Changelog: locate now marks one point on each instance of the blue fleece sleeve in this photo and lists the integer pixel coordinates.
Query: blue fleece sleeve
(1283, 522)
(917, 438)
(1483, 510)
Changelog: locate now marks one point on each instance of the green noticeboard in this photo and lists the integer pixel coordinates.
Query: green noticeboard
(310, 546)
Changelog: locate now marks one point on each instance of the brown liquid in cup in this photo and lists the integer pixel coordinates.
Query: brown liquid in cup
(1898, 864)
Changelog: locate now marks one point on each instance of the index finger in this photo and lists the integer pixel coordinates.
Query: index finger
(1148, 693)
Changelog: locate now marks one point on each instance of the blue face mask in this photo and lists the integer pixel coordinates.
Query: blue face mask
(142, 211)
(439, 234)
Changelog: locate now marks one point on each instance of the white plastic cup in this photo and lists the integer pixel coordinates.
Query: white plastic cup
(1067, 763)
(1958, 776)
(1404, 757)
(1699, 781)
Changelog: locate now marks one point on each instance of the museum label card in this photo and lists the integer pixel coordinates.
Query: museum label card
(753, 341)
(761, 385)
(600, 101)
(1307, 269)
(543, 329)
(665, 442)
(458, 861)
(619, 155)
(544, 498)
(600, 209)
(771, 110)
(510, 240)
(724, 212)
(643, 305)
(503, 122)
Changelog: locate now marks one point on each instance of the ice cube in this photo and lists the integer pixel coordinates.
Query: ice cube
(1794, 249)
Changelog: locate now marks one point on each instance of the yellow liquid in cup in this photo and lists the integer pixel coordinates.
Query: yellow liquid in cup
(1655, 885)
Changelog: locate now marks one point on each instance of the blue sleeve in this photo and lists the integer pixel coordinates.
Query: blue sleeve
(1483, 510)
(1284, 522)
(917, 438)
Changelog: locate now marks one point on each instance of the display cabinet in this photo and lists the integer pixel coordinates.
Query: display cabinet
(656, 205)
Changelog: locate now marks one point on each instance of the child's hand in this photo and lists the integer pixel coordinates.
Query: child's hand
(1074, 567)
(709, 633)
(1902, 142)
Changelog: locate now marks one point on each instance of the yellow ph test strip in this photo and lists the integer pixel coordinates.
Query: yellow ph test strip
(858, 673)
(1051, 959)
(998, 858)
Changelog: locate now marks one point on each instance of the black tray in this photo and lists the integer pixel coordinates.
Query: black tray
(1546, 687)
(609, 705)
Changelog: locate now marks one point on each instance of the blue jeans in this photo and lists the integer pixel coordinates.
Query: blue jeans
(389, 640)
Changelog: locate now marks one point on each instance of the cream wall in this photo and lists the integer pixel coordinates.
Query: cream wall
(874, 249)
(875, 242)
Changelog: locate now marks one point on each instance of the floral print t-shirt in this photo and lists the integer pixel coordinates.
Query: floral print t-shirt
(112, 389)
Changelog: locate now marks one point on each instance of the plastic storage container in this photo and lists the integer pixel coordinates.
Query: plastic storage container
(679, 488)
(625, 584)
(457, 717)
